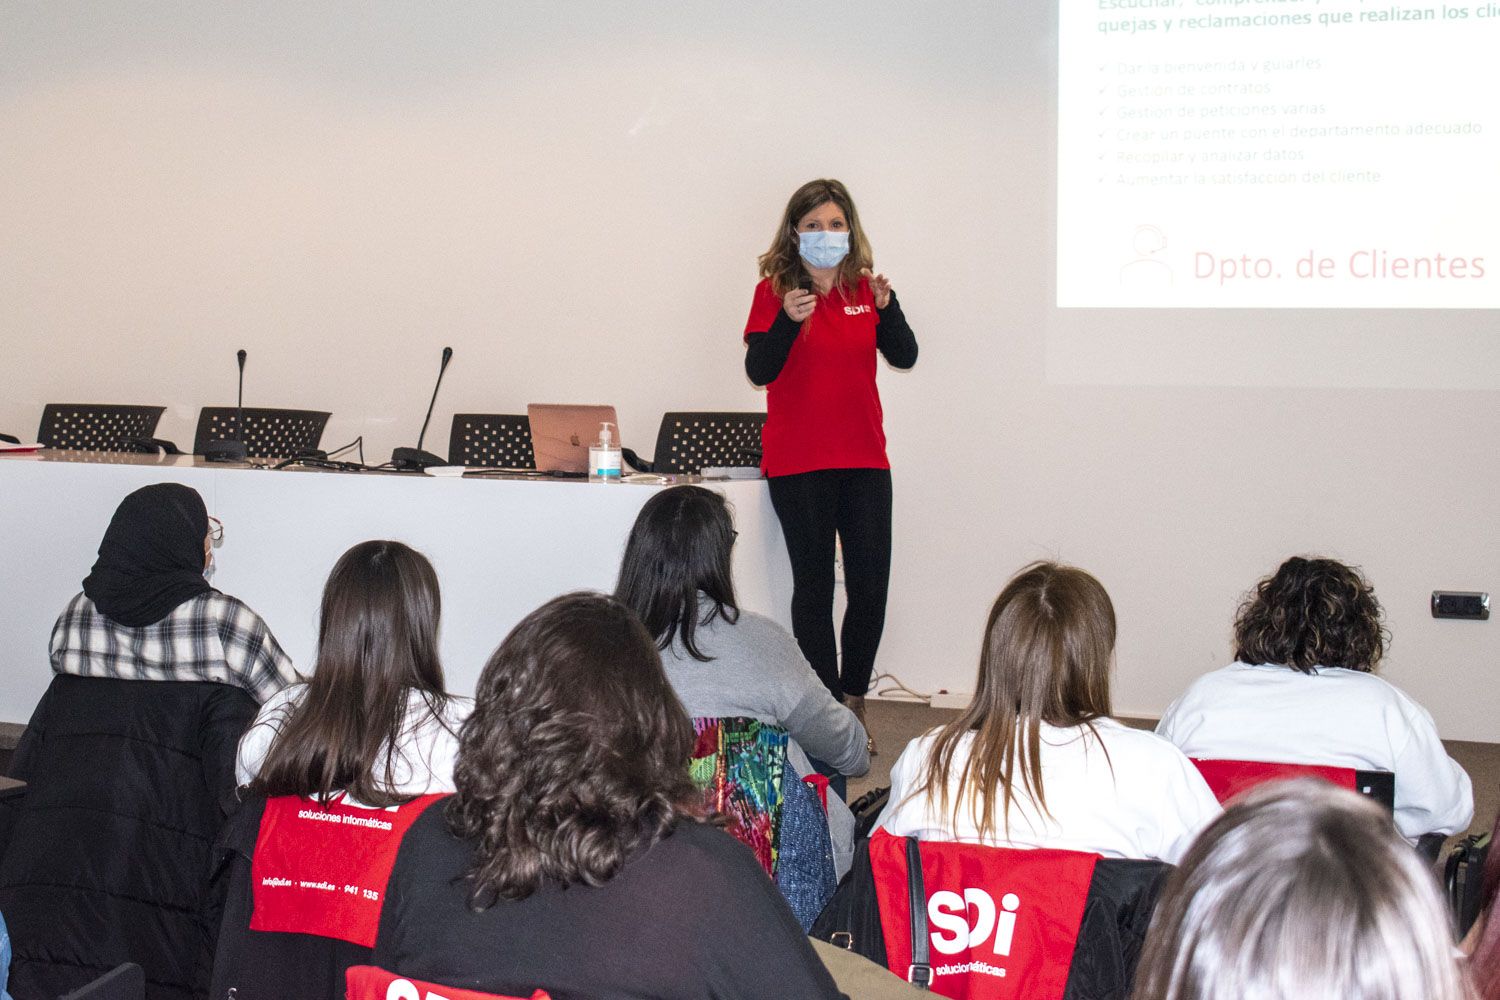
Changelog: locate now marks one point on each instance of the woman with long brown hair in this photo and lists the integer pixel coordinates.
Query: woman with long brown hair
(572, 858)
(1035, 760)
(373, 722)
(819, 316)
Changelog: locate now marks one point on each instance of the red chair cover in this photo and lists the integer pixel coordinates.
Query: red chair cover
(1003, 922)
(322, 869)
(1228, 778)
(366, 982)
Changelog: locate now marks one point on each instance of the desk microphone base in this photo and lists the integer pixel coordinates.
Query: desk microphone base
(415, 459)
(225, 451)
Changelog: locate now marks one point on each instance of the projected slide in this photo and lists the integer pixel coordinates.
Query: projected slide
(1279, 153)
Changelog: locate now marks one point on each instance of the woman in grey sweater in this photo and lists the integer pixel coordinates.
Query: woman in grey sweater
(726, 662)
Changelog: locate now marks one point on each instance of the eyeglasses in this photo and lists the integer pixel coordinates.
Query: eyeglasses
(215, 530)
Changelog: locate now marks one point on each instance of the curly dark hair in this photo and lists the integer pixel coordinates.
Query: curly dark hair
(1311, 613)
(576, 755)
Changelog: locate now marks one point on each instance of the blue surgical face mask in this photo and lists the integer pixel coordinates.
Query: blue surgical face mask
(823, 248)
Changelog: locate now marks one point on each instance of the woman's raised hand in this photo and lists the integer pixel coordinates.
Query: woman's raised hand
(880, 286)
(798, 304)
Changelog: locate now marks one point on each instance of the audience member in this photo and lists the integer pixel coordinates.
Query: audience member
(570, 857)
(372, 728)
(1302, 691)
(1483, 941)
(4, 959)
(127, 756)
(374, 721)
(726, 662)
(1301, 889)
(1035, 760)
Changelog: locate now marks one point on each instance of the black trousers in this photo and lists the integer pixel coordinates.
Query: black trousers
(854, 506)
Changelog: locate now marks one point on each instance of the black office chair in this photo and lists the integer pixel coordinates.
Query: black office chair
(269, 433)
(692, 442)
(495, 440)
(1463, 878)
(123, 982)
(96, 426)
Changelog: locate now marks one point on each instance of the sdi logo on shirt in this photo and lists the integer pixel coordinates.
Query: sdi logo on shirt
(857, 310)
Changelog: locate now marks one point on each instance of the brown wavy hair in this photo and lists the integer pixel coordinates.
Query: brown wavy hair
(783, 262)
(576, 755)
(377, 643)
(1046, 658)
(1311, 613)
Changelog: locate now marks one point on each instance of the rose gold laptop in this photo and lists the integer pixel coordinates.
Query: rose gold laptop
(562, 432)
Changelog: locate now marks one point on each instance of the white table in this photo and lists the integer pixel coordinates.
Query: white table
(501, 547)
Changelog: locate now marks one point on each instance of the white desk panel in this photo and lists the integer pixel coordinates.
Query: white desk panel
(501, 547)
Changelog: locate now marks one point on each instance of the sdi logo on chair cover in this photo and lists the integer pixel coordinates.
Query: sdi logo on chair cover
(949, 913)
(1001, 923)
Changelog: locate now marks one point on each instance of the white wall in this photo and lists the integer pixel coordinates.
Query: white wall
(573, 195)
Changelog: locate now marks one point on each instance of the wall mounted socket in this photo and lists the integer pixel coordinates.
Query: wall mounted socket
(954, 700)
(1471, 604)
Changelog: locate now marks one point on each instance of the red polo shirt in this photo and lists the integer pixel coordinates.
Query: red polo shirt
(823, 410)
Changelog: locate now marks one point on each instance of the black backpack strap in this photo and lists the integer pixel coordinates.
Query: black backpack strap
(919, 974)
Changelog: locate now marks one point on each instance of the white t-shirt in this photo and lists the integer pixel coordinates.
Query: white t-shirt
(1115, 791)
(1332, 716)
(424, 758)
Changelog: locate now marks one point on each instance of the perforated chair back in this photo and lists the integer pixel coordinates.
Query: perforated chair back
(269, 433)
(692, 442)
(123, 982)
(495, 440)
(96, 426)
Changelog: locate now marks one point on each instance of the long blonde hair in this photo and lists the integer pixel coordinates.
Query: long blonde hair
(1046, 658)
(783, 262)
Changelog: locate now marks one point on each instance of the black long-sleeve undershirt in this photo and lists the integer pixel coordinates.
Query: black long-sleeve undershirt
(766, 352)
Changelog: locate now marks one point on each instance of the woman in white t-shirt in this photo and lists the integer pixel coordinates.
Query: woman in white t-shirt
(1302, 691)
(374, 722)
(1035, 760)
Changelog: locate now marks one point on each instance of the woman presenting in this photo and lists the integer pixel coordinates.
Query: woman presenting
(819, 315)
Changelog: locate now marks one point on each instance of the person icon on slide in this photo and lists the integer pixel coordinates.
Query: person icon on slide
(1149, 269)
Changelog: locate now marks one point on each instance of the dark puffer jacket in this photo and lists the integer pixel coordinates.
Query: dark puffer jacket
(106, 857)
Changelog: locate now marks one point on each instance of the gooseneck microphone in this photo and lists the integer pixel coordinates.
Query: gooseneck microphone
(232, 449)
(415, 459)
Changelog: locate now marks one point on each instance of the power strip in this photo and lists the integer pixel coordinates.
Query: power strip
(953, 699)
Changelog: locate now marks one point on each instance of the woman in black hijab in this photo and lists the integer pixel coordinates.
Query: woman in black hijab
(127, 756)
(147, 613)
(153, 556)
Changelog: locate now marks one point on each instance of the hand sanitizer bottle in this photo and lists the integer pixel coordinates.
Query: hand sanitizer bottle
(604, 456)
